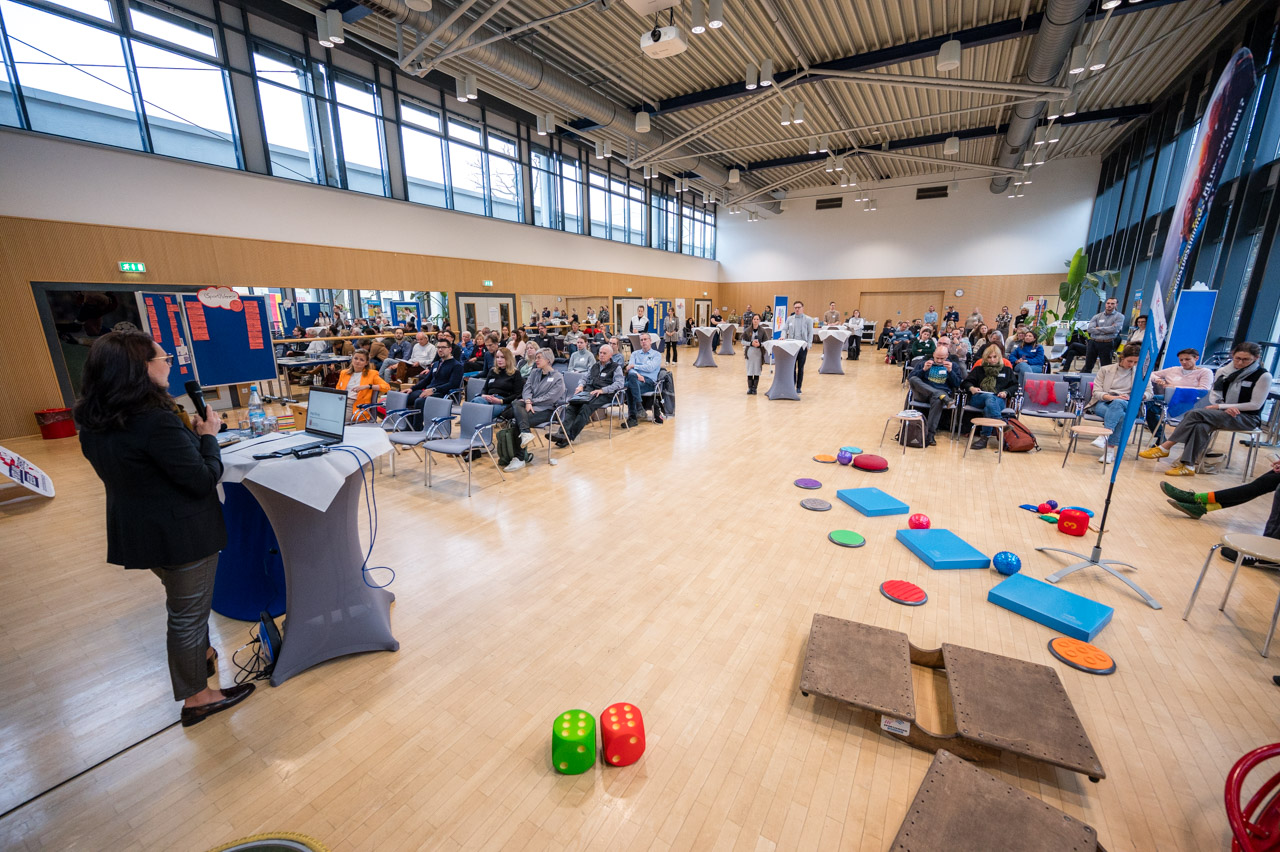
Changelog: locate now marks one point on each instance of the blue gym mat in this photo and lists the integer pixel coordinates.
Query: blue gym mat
(942, 549)
(872, 502)
(1066, 612)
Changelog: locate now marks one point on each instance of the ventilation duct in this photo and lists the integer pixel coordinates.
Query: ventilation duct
(1049, 49)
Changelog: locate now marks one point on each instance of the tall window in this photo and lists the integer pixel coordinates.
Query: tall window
(571, 194)
(466, 167)
(185, 102)
(288, 114)
(546, 198)
(423, 154)
(359, 133)
(506, 190)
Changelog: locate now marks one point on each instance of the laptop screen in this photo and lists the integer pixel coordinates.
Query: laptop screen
(326, 412)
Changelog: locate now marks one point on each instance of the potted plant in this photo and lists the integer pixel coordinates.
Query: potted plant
(1080, 281)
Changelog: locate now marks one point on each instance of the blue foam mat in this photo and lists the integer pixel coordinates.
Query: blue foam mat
(943, 550)
(872, 502)
(1071, 614)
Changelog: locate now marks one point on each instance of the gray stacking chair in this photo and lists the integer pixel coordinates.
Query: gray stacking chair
(475, 432)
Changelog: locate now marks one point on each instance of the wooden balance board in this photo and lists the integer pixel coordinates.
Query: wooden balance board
(1001, 704)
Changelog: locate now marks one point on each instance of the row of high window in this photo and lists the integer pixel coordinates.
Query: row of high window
(154, 78)
(1141, 180)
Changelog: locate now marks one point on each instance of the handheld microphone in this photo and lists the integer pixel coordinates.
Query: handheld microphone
(197, 398)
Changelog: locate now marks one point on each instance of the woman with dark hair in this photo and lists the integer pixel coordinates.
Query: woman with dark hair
(503, 384)
(163, 512)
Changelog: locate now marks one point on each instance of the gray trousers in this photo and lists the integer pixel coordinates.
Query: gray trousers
(1198, 426)
(188, 593)
(932, 394)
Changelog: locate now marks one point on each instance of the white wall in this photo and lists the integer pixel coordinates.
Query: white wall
(971, 233)
(63, 180)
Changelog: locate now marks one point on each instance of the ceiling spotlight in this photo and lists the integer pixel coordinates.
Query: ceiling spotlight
(715, 20)
(334, 18)
(599, 150)
(1042, 135)
(822, 144)
(766, 73)
(1101, 53)
(813, 144)
(1055, 109)
(751, 76)
(840, 163)
(735, 176)
(460, 89)
(322, 30)
(1072, 106)
(1110, 4)
(949, 56)
(647, 172)
(697, 17)
(642, 122)
(1020, 193)
(797, 116)
(1053, 133)
(473, 91)
(784, 115)
(542, 125)
(831, 164)
(951, 147)
(1078, 56)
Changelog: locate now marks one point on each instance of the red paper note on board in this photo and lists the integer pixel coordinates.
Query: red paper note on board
(152, 320)
(253, 319)
(195, 319)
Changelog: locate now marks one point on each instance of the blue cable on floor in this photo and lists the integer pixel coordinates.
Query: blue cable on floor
(371, 510)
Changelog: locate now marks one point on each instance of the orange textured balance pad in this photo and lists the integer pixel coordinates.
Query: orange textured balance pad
(1082, 655)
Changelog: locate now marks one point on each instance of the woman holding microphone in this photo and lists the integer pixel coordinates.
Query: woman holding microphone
(163, 513)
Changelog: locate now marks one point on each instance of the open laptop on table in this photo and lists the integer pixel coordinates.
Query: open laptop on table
(326, 417)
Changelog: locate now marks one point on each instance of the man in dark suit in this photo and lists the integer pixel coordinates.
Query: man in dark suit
(442, 378)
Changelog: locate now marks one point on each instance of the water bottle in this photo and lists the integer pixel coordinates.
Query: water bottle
(257, 416)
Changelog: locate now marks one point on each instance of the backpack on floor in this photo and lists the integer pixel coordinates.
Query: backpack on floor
(1018, 438)
(909, 436)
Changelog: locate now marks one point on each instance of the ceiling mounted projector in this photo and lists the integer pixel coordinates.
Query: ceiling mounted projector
(649, 7)
(663, 42)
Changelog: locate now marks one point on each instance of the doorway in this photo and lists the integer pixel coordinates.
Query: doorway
(485, 310)
(702, 312)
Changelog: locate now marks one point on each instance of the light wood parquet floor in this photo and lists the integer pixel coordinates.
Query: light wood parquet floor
(671, 567)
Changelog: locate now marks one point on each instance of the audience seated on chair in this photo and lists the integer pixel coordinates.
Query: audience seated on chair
(581, 359)
(1112, 389)
(1235, 405)
(573, 335)
(641, 379)
(442, 378)
(923, 346)
(604, 380)
(398, 352)
(1028, 356)
(959, 346)
(937, 382)
(481, 361)
(543, 391)
(991, 384)
(900, 342)
(502, 385)
(360, 380)
(1163, 382)
(1196, 504)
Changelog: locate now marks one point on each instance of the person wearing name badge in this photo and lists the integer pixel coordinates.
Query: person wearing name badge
(502, 385)
(990, 385)
(360, 380)
(855, 324)
(753, 340)
(1112, 389)
(1104, 327)
(671, 338)
(1028, 356)
(936, 382)
(163, 513)
(832, 316)
(639, 322)
(1003, 319)
(397, 353)
(799, 327)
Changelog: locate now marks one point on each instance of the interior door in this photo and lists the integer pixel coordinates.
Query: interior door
(899, 305)
(485, 310)
(702, 312)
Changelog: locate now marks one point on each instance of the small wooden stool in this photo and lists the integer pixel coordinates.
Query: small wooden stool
(1086, 430)
(904, 421)
(1259, 547)
(994, 423)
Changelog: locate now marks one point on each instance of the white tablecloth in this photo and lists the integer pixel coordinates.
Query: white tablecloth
(838, 333)
(313, 482)
(791, 346)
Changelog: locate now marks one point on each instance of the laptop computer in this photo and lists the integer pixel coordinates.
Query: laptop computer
(326, 417)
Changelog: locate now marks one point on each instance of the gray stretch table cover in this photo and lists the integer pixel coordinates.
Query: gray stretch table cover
(784, 368)
(314, 506)
(706, 357)
(727, 331)
(832, 350)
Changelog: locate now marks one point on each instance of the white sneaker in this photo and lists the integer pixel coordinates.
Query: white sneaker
(526, 438)
(1109, 457)
(515, 464)
(1100, 442)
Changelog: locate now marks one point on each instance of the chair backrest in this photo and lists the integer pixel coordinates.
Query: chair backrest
(1262, 808)
(1183, 400)
(434, 407)
(1061, 396)
(1023, 378)
(571, 382)
(477, 415)
(394, 401)
(474, 387)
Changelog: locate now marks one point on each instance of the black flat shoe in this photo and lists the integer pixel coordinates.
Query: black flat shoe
(230, 698)
(211, 664)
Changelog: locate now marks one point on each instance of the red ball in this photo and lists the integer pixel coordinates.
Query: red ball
(1044, 508)
(918, 522)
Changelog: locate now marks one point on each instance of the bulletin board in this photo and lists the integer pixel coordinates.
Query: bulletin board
(401, 311)
(230, 345)
(162, 312)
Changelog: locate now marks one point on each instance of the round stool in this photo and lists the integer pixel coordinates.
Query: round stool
(994, 423)
(1260, 547)
(1085, 430)
(904, 420)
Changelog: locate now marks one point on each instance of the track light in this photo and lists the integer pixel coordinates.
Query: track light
(1040, 155)
(599, 150)
(813, 144)
(1072, 106)
(322, 30)
(797, 114)
(1078, 55)
(735, 176)
(642, 122)
(831, 164)
(1028, 158)
(751, 76)
(1110, 4)
(334, 18)
(1055, 109)
(473, 90)
(949, 55)
(460, 89)
(715, 20)
(1053, 133)
(1101, 53)
(951, 147)
(647, 173)
(766, 73)
(822, 144)
(873, 205)
(1026, 179)
(840, 163)
(784, 115)
(542, 125)
(1042, 135)
(697, 17)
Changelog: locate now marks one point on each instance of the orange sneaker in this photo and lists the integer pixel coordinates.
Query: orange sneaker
(1156, 452)
(1180, 469)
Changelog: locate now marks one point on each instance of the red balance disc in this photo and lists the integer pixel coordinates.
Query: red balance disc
(900, 591)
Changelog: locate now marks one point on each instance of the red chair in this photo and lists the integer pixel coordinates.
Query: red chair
(1256, 827)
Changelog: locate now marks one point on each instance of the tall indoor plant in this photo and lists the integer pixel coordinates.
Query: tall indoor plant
(1080, 281)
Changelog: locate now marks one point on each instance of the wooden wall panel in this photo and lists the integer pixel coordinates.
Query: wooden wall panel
(39, 250)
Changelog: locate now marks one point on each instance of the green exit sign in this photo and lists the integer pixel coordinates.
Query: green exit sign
(132, 266)
(488, 283)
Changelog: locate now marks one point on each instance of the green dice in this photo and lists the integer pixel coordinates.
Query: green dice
(573, 742)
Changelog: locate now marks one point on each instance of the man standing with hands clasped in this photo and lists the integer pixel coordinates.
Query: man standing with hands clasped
(799, 327)
(1103, 329)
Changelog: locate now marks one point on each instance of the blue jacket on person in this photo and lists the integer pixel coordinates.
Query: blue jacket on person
(1033, 355)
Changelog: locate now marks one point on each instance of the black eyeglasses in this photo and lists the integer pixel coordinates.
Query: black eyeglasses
(168, 359)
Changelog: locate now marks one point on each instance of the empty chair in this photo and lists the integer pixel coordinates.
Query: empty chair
(437, 422)
(1047, 399)
(470, 389)
(475, 432)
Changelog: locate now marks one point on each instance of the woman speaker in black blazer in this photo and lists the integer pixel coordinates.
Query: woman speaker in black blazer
(163, 512)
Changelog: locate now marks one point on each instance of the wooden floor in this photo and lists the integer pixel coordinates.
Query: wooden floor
(671, 567)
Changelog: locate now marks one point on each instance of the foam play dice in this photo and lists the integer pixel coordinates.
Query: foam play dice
(1073, 522)
(622, 733)
(573, 742)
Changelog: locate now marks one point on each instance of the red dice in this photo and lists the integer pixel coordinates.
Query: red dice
(1073, 522)
(622, 732)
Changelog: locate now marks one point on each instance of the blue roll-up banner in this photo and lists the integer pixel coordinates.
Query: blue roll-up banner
(1199, 184)
(781, 304)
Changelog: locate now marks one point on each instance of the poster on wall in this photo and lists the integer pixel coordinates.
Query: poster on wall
(679, 303)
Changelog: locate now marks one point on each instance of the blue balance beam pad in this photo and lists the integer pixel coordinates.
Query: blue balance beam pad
(1066, 612)
(872, 502)
(943, 549)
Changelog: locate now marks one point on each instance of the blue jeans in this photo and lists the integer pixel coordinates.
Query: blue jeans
(1024, 367)
(1112, 414)
(992, 406)
(634, 402)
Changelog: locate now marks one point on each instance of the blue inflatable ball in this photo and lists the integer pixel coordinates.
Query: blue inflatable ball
(1007, 563)
(1053, 504)
(844, 457)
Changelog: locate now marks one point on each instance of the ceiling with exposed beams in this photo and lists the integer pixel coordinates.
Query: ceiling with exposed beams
(1152, 42)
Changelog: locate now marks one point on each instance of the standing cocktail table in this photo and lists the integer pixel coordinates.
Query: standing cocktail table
(706, 356)
(784, 368)
(832, 348)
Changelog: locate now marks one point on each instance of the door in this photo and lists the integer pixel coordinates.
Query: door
(485, 310)
(900, 305)
(702, 312)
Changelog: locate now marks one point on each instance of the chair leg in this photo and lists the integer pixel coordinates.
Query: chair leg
(973, 430)
(1231, 582)
(1000, 446)
(395, 451)
(1203, 570)
(1266, 646)
(1067, 453)
(884, 430)
(430, 463)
